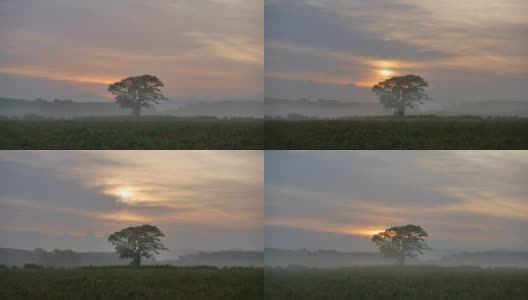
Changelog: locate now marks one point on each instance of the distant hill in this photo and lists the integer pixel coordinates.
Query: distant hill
(58, 108)
(502, 108)
(487, 259)
(60, 258)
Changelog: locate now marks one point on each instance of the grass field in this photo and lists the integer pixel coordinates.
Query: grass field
(409, 133)
(396, 283)
(132, 283)
(132, 133)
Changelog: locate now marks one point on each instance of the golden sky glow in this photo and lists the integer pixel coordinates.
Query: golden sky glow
(470, 200)
(203, 48)
(191, 195)
(465, 49)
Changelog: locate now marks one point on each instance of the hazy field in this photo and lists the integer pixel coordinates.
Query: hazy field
(410, 133)
(396, 283)
(132, 283)
(132, 133)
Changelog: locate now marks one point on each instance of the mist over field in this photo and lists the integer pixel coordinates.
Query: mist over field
(323, 108)
(67, 109)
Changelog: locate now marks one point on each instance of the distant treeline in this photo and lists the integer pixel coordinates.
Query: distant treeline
(58, 108)
(68, 258)
(41, 108)
(60, 258)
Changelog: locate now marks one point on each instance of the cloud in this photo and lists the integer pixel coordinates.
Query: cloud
(199, 48)
(482, 53)
(460, 197)
(182, 191)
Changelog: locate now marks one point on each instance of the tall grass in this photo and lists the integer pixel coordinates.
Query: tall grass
(409, 133)
(132, 133)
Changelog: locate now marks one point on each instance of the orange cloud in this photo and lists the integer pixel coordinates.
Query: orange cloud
(323, 226)
(53, 75)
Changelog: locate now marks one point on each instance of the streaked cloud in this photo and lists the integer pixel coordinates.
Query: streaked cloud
(475, 46)
(189, 193)
(462, 198)
(198, 48)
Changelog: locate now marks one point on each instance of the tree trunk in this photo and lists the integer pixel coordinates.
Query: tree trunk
(137, 261)
(136, 112)
(401, 261)
(400, 111)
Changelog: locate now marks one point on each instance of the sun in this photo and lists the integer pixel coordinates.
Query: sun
(373, 231)
(125, 194)
(385, 72)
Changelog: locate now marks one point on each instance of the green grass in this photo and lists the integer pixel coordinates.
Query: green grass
(132, 283)
(132, 133)
(396, 283)
(409, 133)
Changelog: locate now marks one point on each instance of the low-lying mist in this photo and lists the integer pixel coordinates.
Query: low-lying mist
(68, 258)
(330, 109)
(337, 259)
(65, 109)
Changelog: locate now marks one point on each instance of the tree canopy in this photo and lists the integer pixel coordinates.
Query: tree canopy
(401, 92)
(137, 242)
(137, 92)
(401, 242)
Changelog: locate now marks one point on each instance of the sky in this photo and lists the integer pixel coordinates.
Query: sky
(201, 200)
(469, 50)
(73, 49)
(465, 200)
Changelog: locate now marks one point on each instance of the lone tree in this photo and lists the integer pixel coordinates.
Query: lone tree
(401, 92)
(136, 242)
(137, 92)
(401, 242)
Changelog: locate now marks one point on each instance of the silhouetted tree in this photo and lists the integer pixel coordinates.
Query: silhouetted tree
(137, 92)
(401, 242)
(401, 92)
(137, 242)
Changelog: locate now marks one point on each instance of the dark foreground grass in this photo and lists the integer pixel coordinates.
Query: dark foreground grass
(396, 283)
(132, 283)
(132, 133)
(407, 133)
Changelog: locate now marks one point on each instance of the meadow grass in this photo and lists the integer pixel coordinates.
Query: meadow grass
(132, 133)
(396, 283)
(408, 133)
(132, 283)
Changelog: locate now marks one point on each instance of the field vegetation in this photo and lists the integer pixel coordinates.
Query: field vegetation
(406, 133)
(132, 133)
(424, 282)
(159, 282)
